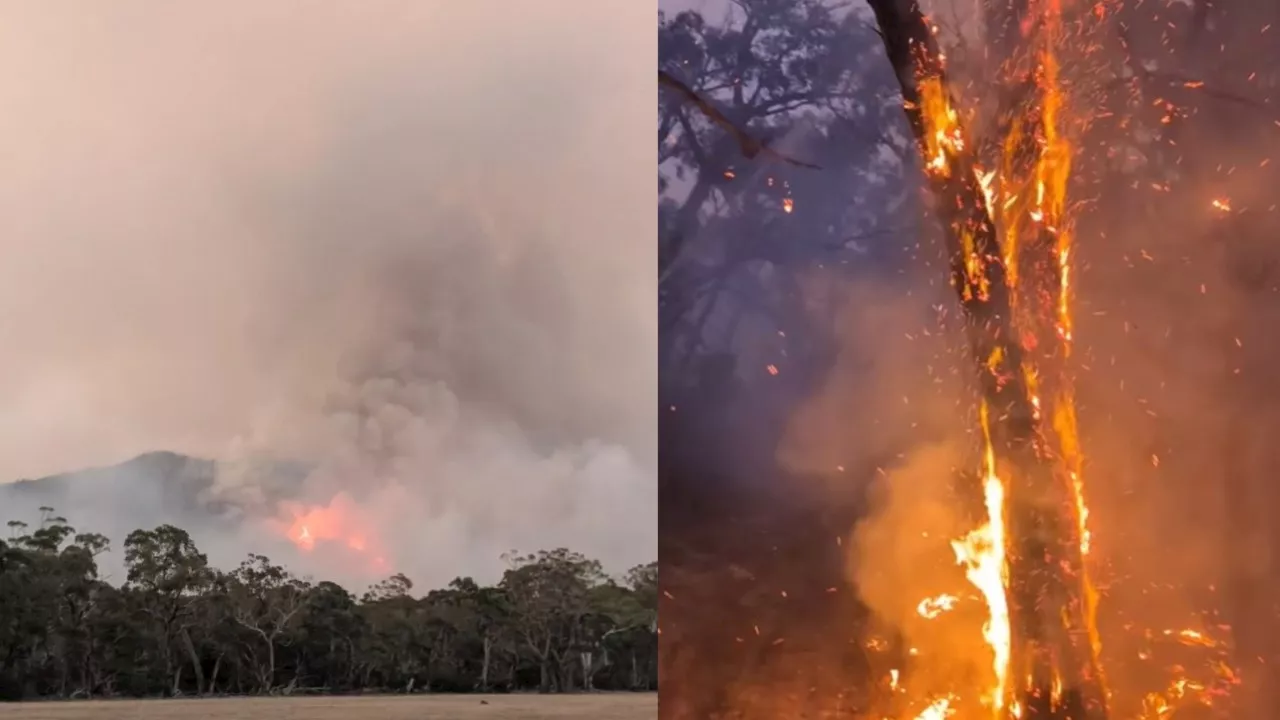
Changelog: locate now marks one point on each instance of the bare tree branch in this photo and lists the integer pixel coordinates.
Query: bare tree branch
(751, 147)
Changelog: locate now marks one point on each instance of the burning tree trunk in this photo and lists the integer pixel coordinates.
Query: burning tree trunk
(1048, 665)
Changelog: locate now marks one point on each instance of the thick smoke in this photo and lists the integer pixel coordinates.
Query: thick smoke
(408, 245)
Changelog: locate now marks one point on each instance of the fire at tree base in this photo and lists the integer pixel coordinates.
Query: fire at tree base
(1010, 256)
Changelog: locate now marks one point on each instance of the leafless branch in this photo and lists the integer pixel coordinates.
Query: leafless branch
(751, 147)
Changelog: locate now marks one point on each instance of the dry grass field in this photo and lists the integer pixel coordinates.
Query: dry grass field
(610, 706)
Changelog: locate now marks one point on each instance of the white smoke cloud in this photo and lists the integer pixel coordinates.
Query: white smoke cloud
(409, 244)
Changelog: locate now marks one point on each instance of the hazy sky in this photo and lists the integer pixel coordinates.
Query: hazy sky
(713, 10)
(409, 241)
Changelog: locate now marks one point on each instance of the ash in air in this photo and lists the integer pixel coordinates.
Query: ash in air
(385, 267)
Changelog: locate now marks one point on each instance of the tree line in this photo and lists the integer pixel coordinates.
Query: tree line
(555, 622)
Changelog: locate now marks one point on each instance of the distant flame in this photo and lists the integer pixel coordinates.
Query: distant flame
(341, 527)
(304, 539)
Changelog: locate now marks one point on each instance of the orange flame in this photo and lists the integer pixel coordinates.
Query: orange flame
(1024, 205)
(1028, 205)
(938, 710)
(982, 553)
(340, 527)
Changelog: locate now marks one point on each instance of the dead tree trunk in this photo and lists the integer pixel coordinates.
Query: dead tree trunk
(212, 688)
(1052, 672)
(194, 656)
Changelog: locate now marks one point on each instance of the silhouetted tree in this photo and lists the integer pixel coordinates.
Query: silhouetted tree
(179, 626)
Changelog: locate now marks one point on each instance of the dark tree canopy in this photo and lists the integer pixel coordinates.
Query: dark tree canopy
(178, 626)
(747, 236)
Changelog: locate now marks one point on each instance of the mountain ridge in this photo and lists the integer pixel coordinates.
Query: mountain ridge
(147, 490)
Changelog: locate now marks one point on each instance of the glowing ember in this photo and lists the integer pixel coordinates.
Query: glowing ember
(1192, 637)
(939, 709)
(931, 608)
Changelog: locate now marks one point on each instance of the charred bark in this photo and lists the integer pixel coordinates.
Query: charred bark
(1047, 611)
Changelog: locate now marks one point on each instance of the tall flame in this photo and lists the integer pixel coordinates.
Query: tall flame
(1027, 202)
(982, 553)
(1053, 169)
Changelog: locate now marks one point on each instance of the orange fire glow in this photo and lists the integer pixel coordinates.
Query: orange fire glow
(982, 553)
(1028, 205)
(1025, 206)
(937, 710)
(341, 527)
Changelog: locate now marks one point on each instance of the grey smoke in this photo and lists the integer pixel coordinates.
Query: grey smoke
(408, 245)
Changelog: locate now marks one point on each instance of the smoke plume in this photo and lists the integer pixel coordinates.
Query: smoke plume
(406, 245)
